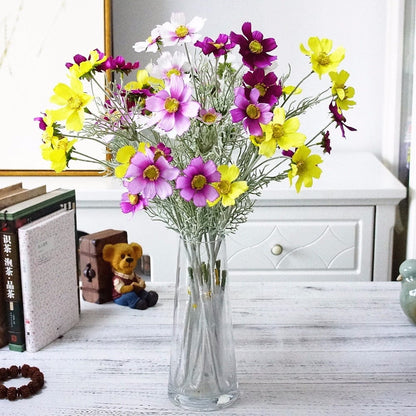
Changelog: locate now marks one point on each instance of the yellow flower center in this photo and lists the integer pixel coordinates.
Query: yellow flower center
(209, 118)
(261, 88)
(300, 165)
(198, 182)
(224, 187)
(158, 154)
(255, 46)
(151, 173)
(134, 199)
(171, 105)
(217, 45)
(74, 103)
(323, 59)
(278, 131)
(253, 112)
(258, 139)
(181, 31)
(173, 71)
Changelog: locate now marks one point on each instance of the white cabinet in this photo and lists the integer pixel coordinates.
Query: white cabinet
(340, 229)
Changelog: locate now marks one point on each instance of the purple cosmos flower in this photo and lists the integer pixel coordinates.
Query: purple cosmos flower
(119, 64)
(326, 143)
(41, 121)
(195, 184)
(269, 89)
(250, 111)
(149, 176)
(217, 48)
(78, 59)
(253, 48)
(288, 153)
(162, 151)
(339, 118)
(132, 202)
(172, 107)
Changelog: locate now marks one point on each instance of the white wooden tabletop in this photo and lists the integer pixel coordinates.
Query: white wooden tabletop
(302, 349)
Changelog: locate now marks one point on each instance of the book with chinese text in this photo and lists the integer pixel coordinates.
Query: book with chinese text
(11, 219)
(49, 274)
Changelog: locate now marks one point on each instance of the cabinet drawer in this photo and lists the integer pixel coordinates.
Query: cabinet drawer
(304, 243)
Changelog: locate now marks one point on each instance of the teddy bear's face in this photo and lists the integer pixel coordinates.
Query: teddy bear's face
(122, 256)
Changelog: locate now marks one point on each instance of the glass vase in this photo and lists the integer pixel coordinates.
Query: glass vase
(202, 373)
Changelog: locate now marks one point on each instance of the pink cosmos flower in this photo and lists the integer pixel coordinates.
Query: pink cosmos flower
(253, 48)
(172, 107)
(151, 44)
(209, 116)
(162, 150)
(269, 89)
(168, 65)
(177, 31)
(217, 48)
(132, 202)
(149, 176)
(195, 184)
(250, 111)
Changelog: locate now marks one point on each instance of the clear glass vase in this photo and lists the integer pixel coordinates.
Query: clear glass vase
(202, 367)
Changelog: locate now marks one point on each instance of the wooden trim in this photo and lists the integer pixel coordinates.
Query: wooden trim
(108, 46)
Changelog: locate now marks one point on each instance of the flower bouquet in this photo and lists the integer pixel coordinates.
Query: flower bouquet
(194, 139)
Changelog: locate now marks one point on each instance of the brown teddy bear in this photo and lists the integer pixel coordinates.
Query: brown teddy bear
(128, 288)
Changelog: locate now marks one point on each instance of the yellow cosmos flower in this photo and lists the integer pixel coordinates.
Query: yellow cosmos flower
(83, 68)
(228, 188)
(340, 91)
(124, 155)
(57, 151)
(73, 101)
(305, 167)
(144, 80)
(281, 132)
(323, 61)
(291, 89)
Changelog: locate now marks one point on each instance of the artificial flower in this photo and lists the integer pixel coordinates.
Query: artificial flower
(339, 118)
(218, 47)
(84, 66)
(196, 182)
(254, 48)
(323, 61)
(144, 84)
(123, 156)
(269, 89)
(73, 101)
(342, 93)
(209, 116)
(168, 65)
(132, 202)
(250, 111)
(177, 31)
(57, 151)
(228, 188)
(305, 166)
(150, 176)
(162, 151)
(172, 107)
(326, 142)
(151, 44)
(281, 132)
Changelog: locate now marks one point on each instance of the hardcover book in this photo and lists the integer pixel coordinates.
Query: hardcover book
(10, 195)
(11, 219)
(49, 273)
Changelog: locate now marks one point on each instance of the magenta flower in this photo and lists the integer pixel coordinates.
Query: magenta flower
(250, 111)
(118, 64)
(132, 202)
(195, 184)
(149, 175)
(172, 107)
(269, 89)
(217, 48)
(41, 121)
(162, 150)
(326, 143)
(339, 118)
(253, 48)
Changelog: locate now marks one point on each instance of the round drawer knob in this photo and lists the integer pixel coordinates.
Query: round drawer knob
(277, 249)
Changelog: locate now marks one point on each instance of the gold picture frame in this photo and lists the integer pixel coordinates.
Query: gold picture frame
(108, 47)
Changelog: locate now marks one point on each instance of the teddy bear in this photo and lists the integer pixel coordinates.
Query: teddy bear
(128, 287)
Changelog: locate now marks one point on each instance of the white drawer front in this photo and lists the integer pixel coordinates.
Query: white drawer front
(308, 243)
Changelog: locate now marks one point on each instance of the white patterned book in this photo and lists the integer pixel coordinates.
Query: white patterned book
(49, 278)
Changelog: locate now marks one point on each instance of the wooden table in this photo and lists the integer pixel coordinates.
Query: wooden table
(302, 349)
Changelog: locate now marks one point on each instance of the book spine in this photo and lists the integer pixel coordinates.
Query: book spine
(10, 266)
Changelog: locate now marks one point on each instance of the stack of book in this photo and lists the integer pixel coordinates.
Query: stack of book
(38, 272)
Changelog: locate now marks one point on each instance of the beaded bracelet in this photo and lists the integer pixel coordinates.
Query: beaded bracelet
(25, 391)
